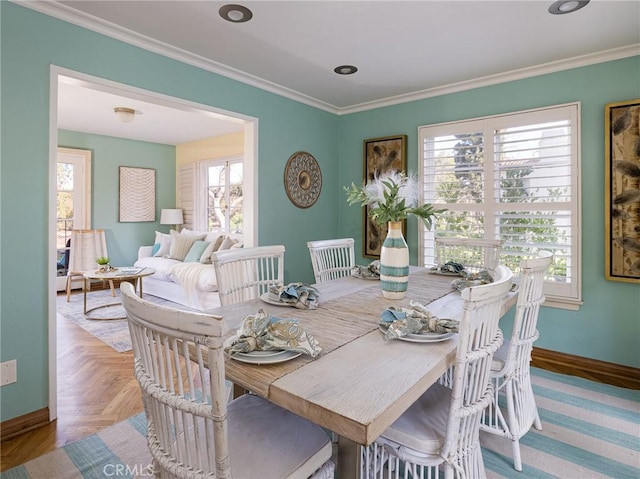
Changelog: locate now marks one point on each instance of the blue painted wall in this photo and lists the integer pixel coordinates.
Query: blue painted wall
(607, 327)
(108, 154)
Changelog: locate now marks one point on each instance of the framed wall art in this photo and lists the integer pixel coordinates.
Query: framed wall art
(137, 194)
(622, 191)
(381, 155)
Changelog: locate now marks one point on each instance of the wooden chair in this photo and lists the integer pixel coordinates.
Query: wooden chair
(192, 432)
(474, 254)
(511, 365)
(441, 429)
(86, 246)
(246, 273)
(331, 259)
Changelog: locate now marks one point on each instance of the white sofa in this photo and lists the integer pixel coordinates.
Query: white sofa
(184, 272)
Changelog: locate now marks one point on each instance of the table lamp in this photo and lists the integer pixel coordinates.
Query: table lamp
(171, 217)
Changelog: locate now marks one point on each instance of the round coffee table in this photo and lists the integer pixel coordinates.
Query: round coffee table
(121, 273)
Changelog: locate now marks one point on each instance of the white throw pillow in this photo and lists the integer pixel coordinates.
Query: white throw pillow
(163, 242)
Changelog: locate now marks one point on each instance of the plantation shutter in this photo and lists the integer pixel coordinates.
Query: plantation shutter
(512, 177)
(186, 193)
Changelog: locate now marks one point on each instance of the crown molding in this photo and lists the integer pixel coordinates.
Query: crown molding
(552, 67)
(65, 13)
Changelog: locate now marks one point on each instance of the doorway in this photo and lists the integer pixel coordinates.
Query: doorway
(59, 76)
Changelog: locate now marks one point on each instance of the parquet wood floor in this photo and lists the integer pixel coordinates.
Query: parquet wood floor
(96, 389)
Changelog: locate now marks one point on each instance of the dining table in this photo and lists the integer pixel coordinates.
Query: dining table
(359, 384)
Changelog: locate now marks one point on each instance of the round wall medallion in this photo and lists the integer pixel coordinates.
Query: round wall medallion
(302, 179)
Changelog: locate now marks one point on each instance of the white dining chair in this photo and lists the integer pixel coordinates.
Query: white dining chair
(440, 431)
(473, 253)
(246, 273)
(511, 364)
(192, 431)
(85, 247)
(332, 258)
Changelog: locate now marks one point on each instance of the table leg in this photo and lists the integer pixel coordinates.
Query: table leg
(140, 283)
(84, 291)
(348, 466)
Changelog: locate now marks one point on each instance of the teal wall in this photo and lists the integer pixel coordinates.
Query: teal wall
(30, 44)
(607, 326)
(108, 154)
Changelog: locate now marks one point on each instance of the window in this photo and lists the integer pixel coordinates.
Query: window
(220, 190)
(73, 202)
(513, 177)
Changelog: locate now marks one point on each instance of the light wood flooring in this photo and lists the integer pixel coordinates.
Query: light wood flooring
(96, 389)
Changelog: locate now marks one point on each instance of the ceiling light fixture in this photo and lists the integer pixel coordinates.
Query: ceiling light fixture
(123, 114)
(235, 13)
(345, 70)
(566, 6)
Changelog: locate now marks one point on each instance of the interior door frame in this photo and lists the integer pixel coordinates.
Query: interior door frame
(250, 171)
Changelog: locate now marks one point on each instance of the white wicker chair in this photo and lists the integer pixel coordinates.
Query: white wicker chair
(474, 254)
(192, 432)
(85, 247)
(331, 259)
(511, 364)
(441, 429)
(246, 273)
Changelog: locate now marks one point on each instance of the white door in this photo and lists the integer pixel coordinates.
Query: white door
(73, 203)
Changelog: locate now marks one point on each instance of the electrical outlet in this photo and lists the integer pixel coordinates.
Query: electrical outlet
(8, 372)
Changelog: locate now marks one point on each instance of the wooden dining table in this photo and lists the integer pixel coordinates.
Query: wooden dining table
(359, 384)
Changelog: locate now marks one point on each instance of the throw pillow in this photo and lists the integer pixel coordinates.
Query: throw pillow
(212, 248)
(227, 243)
(196, 251)
(181, 244)
(163, 241)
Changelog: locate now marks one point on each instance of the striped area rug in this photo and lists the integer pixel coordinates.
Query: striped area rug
(589, 430)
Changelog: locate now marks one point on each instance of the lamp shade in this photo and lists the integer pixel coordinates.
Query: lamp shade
(171, 216)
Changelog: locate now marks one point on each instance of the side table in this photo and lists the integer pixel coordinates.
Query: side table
(121, 273)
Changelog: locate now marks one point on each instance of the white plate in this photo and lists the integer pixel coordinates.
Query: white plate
(267, 299)
(422, 338)
(258, 357)
(370, 278)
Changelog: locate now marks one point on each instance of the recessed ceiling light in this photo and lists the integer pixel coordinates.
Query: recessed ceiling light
(566, 6)
(345, 70)
(235, 13)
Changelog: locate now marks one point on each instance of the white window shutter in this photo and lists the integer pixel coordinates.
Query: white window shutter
(186, 193)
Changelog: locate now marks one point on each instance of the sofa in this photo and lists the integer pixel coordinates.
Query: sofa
(184, 272)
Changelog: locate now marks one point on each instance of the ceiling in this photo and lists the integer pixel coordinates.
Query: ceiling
(404, 50)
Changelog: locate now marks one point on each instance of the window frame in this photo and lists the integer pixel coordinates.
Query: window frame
(565, 295)
(202, 185)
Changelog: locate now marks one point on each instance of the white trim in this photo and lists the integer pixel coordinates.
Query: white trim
(68, 14)
(52, 267)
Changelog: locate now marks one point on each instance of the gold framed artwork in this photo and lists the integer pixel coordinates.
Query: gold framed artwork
(381, 155)
(622, 191)
(137, 196)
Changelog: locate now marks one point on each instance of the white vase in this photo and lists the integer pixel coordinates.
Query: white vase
(394, 263)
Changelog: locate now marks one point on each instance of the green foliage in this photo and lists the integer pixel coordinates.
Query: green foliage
(102, 260)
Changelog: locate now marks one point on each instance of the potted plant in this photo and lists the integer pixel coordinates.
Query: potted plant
(103, 262)
(392, 197)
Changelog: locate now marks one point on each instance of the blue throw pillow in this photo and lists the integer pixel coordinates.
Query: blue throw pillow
(196, 251)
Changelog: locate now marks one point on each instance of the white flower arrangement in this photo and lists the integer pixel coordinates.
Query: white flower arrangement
(392, 197)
